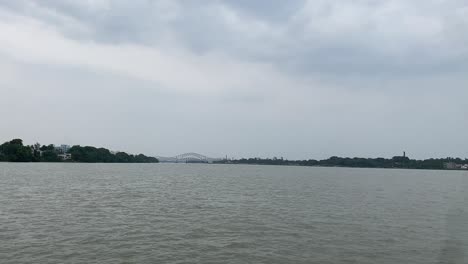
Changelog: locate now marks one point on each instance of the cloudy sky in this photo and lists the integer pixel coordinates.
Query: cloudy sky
(298, 79)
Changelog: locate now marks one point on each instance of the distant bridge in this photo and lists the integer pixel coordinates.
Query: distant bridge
(190, 157)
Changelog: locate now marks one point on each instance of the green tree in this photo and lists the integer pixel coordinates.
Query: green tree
(50, 156)
(14, 151)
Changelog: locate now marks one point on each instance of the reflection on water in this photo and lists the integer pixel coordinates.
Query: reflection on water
(455, 248)
(180, 213)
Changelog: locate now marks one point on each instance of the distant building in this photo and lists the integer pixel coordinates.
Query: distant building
(66, 156)
(62, 149)
(455, 166)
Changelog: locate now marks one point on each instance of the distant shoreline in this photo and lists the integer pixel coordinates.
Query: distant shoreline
(397, 162)
(339, 167)
(252, 164)
(15, 151)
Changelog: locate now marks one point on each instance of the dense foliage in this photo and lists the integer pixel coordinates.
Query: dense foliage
(395, 162)
(92, 154)
(15, 151)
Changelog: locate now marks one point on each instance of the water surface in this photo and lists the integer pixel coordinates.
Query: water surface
(193, 213)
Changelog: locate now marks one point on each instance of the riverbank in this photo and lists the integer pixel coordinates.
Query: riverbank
(15, 151)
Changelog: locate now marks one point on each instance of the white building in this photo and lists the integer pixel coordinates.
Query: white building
(66, 156)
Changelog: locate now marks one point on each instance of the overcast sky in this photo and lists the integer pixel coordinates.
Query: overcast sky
(298, 79)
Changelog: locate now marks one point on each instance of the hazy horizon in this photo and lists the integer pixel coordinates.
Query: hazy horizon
(295, 79)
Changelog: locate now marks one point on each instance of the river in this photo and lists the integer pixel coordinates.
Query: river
(198, 213)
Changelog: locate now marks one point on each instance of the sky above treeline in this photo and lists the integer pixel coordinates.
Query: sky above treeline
(296, 79)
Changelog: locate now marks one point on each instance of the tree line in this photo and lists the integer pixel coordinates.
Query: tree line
(395, 162)
(15, 151)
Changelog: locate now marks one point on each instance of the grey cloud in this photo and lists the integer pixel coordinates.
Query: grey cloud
(273, 10)
(298, 36)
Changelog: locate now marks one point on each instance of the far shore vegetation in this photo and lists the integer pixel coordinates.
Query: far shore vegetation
(401, 162)
(15, 151)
